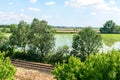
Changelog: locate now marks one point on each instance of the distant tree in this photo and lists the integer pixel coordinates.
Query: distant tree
(19, 35)
(41, 38)
(13, 27)
(87, 41)
(117, 29)
(108, 27)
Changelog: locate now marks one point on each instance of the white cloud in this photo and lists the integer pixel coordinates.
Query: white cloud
(10, 3)
(46, 17)
(33, 1)
(10, 16)
(93, 13)
(94, 4)
(66, 2)
(112, 2)
(34, 9)
(50, 3)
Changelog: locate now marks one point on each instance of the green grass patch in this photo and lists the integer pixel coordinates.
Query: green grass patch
(5, 34)
(110, 39)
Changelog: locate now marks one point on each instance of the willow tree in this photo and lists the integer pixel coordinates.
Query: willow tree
(41, 38)
(87, 41)
(19, 35)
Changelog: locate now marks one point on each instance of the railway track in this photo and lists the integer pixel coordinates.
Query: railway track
(32, 65)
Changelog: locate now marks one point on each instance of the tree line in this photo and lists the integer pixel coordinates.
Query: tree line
(35, 42)
(110, 27)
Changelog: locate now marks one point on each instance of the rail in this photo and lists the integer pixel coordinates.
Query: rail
(32, 65)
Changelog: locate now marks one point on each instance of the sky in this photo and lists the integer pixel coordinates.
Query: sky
(74, 13)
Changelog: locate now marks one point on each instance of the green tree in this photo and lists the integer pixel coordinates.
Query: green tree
(41, 38)
(19, 35)
(7, 70)
(87, 41)
(108, 27)
(117, 29)
(13, 28)
(96, 67)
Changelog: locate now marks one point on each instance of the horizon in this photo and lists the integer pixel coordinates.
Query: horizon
(71, 13)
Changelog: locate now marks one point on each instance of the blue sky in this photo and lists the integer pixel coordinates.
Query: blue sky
(61, 12)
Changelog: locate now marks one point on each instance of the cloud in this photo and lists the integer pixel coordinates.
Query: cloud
(50, 3)
(112, 2)
(93, 13)
(94, 4)
(10, 3)
(10, 16)
(33, 1)
(46, 17)
(34, 9)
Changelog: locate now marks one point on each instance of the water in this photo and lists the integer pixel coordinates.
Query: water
(66, 39)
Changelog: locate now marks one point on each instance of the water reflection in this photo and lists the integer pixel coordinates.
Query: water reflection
(66, 39)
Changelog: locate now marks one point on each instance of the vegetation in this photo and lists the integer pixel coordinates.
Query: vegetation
(19, 37)
(35, 41)
(95, 67)
(61, 55)
(110, 27)
(87, 41)
(7, 70)
(110, 39)
(41, 39)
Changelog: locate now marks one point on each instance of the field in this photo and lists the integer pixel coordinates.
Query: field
(110, 39)
(71, 30)
(29, 74)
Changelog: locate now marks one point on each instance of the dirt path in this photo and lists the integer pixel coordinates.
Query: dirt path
(29, 74)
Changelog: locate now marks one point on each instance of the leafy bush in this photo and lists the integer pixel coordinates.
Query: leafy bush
(95, 67)
(61, 55)
(69, 71)
(7, 70)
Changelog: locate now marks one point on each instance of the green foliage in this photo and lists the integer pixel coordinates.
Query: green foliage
(41, 39)
(87, 41)
(19, 37)
(110, 39)
(61, 55)
(5, 30)
(13, 28)
(95, 67)
(109, 27)
(104, 66)
(35, 41)
(69, 71)
(117, 29)
(7, 70)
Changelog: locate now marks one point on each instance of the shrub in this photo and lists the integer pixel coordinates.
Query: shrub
(69, 71)
(7, 70)
(95, 67)
(61, 55)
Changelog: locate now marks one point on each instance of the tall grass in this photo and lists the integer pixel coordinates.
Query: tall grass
(110, 39)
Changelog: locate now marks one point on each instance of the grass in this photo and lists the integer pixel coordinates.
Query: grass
(110, 39)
